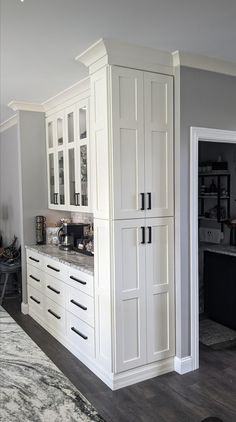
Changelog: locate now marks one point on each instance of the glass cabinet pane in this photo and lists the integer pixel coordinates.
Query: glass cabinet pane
(84, 175)
(70, 126)
(52, 178)
(61, 177)
(60, 131)
(71, 160)
(50, 134)
(82, 123)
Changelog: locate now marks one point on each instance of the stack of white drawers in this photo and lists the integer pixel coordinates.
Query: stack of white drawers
(61, 299)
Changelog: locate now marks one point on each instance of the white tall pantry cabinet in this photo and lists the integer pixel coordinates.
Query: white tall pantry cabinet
(132, 177)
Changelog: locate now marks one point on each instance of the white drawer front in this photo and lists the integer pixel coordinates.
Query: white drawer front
(80, 334)
(35, 277)
(79, 280)
(55, 316)
(80, 305)
(55, 290)
(36, 302)
(34, 258)
(55, 268)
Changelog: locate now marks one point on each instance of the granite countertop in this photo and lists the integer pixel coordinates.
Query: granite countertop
(74, 259)
(223, 249)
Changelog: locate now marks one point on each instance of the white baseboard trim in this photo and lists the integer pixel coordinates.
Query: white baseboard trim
(183, 365)
(24, 308)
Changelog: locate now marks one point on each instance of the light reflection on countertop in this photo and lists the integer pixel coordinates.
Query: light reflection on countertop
(74, 259)
(222, 249)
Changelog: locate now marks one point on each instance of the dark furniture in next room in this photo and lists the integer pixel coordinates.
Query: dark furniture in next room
(220, 288)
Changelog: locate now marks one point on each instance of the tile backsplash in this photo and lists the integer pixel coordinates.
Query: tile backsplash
(81, 217)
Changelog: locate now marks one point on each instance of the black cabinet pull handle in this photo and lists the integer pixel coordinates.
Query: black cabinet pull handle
(143, 235)
(54, 290)
(34, 278)
(53, 268)
(79, 305)
(79, 333)
(149, 200)
(33, 259)
(53, 313)
(142, 201)
(150, 234)
(79, 281)
(35, 300)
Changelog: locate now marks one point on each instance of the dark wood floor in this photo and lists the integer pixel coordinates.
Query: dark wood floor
(210, 391)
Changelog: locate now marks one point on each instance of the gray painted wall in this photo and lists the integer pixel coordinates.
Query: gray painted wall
(33, 178)
(207, 99)
(9, 186)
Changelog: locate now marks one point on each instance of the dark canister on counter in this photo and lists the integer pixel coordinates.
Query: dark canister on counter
(40, 229)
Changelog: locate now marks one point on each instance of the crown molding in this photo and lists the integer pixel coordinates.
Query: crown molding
(198, 61)
(78, 89)
(25, 106)
(106, 51)
(12, 121)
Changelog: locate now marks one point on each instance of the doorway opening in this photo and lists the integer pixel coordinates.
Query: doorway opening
(212, 249)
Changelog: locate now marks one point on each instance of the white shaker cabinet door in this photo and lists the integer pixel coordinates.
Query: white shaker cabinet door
(130, 295)
(158, 92)
(128, 143)
(160, 288)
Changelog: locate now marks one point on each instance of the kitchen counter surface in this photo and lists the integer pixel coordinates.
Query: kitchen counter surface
(74, 259)
(223, 249)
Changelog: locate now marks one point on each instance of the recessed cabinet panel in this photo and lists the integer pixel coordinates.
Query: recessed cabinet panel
(128, 171)
(161, 327)
(131, 334)
(160, 288)
(128, 143)
(158, 93)
(130, 294)
(160, 164)
(129, 254)
(160, 254)
(128, 97)
(159, 103)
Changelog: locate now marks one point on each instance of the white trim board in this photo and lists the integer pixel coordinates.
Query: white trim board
(183, 365)
(12, 121)
(209, 135)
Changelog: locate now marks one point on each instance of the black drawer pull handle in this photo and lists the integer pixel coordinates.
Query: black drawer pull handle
(79, 305)
(79, 333)
(142, 201)
(33, 259)
(35, 300)
(53, 268)
(149, 201)
(143, 235)
(34, 278)
(150, 234)
(53, 313)
(79, 281)
(54, 290)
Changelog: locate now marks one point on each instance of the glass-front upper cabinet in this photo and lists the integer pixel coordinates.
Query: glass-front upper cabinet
(77, 156)
(56, 161)
(83, 146)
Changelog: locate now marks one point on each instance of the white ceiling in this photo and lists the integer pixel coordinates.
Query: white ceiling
(40, 38)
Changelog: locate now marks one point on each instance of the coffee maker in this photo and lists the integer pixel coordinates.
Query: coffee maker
(70, 233)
